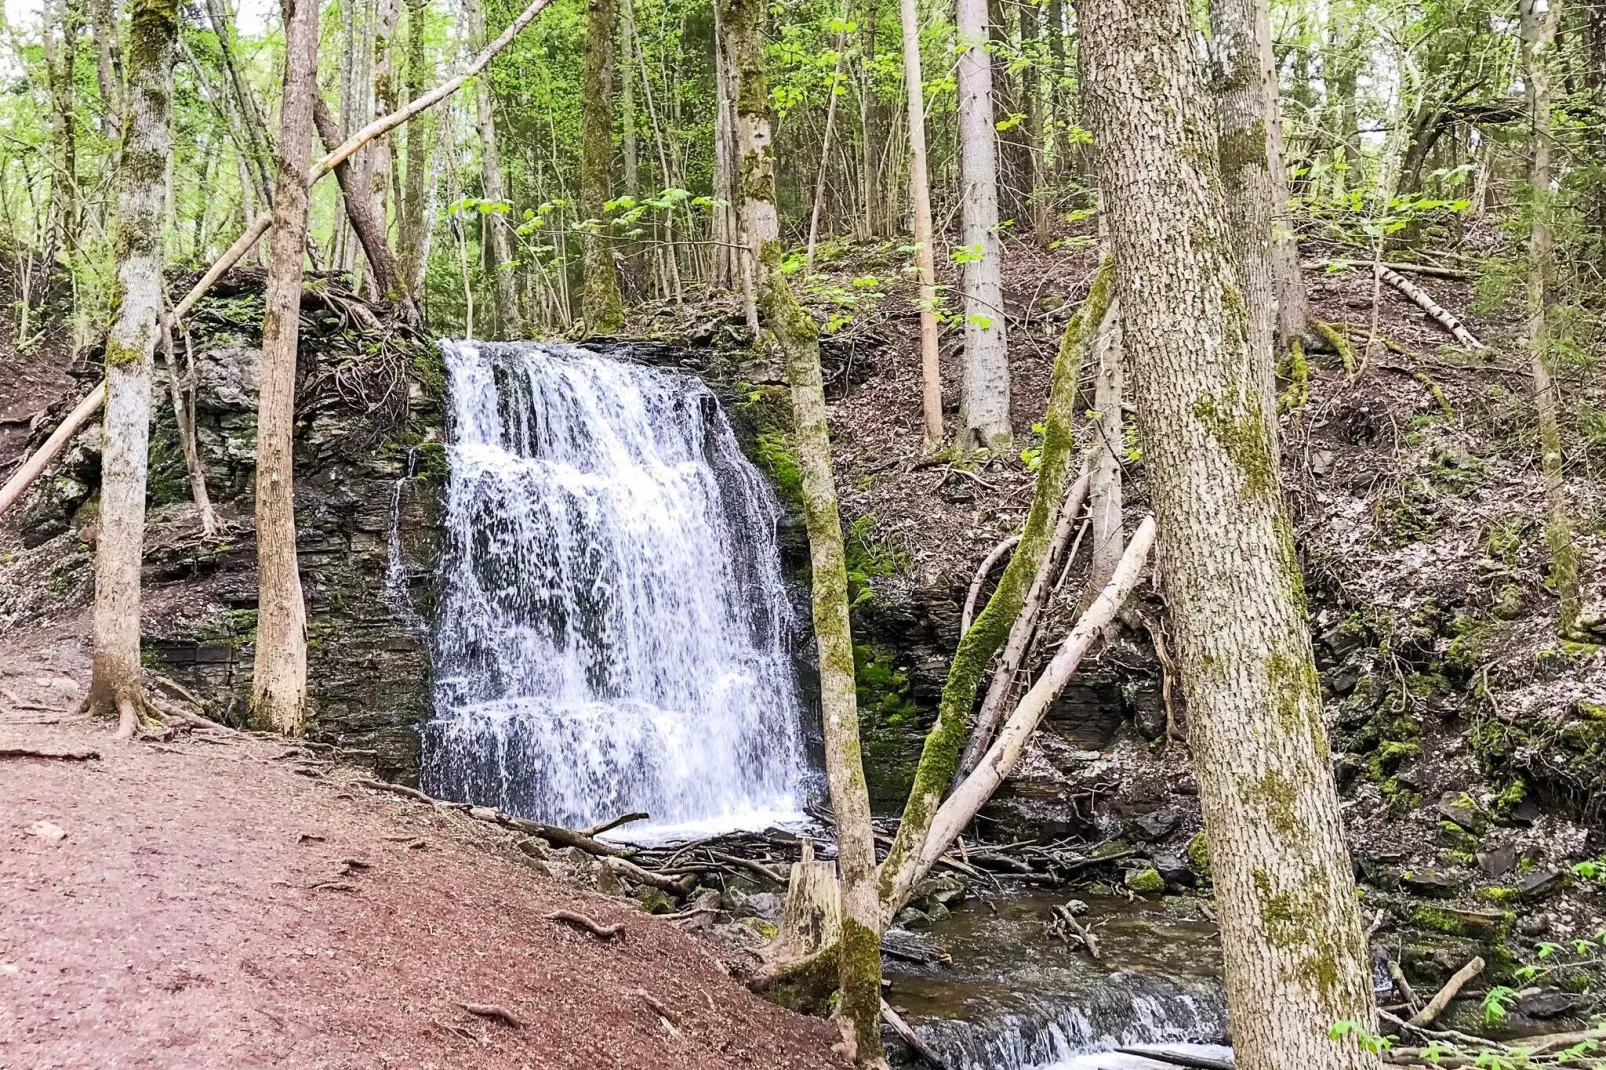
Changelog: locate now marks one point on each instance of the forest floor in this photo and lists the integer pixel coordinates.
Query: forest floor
(203, 905)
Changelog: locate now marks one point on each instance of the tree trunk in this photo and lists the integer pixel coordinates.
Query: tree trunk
(370, 229)
(1013, 149)
(627, 99)
(920, 203)
(114, 686)
(1539, 21)
(386, 13)
(509, 321)
(1032, 81)
(259, 144)
(794, 333)
(1104, 498)
(825, 147)
(603, 313)
(726, 270)
(61, 61)
(984, 400)
(1296, 958)
(1058, 113)
(108, 67)
(279, 681)
(1254, 187)
(420, 131)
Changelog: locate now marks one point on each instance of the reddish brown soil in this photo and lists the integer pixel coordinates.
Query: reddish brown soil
(177, 924)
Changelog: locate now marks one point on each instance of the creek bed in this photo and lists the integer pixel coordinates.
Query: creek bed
(1014, 996)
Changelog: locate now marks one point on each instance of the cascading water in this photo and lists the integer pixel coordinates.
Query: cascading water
(613, 632)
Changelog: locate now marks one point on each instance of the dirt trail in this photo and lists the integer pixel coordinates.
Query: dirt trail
(177, 923)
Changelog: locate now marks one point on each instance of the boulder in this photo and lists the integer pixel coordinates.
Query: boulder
(1144, 881)
(766, 906)
(1547, 1004)
(1157, 825)
(1172, 868)
(1431, 881)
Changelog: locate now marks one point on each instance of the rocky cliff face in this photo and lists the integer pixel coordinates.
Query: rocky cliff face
(369, 474)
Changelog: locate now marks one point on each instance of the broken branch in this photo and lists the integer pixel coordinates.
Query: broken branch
(493, 1010)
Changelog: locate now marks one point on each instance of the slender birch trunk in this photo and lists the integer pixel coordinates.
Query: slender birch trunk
(627, 98)
(279, 681)
(509, 320)
(600, 302)
(114, 686)
(1539, 21)
(984, 399)
(1104, 503)
(386, 14)
(1296, 958)
(920, 204)
(794, 333)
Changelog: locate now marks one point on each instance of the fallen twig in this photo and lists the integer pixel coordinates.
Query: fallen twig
(598, 830)
(1436, 1005)
(1181, 1058)
(494, 1010)
(396, 789)
(580, 921)
(982, 572)
(911, 1038)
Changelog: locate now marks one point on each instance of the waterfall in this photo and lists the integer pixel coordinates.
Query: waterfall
(613, 633)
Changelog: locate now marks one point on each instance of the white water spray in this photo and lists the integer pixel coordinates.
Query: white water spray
(613, 632)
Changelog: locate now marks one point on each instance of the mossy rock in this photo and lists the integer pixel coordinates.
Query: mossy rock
(655, 901)
(1491, 925)
(1145, 881)
(1199, 854)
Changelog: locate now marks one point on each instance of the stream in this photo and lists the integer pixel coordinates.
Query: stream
(615, 635)
(1013, 996)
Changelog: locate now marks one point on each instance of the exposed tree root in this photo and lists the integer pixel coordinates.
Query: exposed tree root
(590, 925)
(57, 755)
(1336, 342)
(494, 1010)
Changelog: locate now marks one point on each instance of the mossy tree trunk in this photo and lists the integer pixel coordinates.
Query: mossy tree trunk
(794, 333)
(279, 679)
(1254, 187)
(1292, 940)
(417, 185)
(114, 687)
(600, 303)
(1539, 22)
(940, 757)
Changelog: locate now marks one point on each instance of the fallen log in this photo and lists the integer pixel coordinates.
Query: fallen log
(396, 789)
(1440, 315)
(1089, 941)
(29, 470)
(598, 830)
(968, 797)
(590, 925)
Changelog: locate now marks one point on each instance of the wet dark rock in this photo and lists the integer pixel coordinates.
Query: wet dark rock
(1497, 862)
(1157, 825)
(1172, 868)
(1547, 1004)
(1343, 679)
(1524, 814)
(1539, 883)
